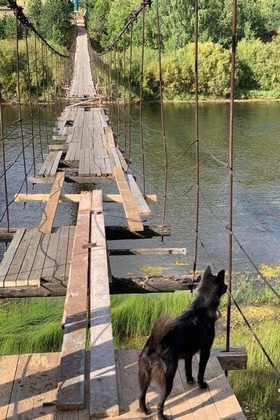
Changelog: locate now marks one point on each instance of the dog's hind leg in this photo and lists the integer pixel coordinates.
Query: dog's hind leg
(166, 383)
(144, 377)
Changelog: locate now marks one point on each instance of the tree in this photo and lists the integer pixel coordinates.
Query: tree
(55, 20)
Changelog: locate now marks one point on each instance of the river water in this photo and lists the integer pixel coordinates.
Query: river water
(256, 170)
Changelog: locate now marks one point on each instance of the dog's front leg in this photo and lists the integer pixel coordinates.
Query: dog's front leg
(188, 369)
(204, 357)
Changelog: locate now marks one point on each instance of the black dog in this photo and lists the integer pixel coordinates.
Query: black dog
(180, 338)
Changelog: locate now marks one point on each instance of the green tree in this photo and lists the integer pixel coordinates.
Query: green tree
(55, 20)
(34, 12)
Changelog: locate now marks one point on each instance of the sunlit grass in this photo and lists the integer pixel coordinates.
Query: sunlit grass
(30, 325)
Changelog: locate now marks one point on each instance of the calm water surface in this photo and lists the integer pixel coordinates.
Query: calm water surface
(256, 184)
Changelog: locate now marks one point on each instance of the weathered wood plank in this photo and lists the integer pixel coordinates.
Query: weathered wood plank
(47, 220)
(34, 385)
(50, 262)
(142, 205)
(55, 164)
(9, 254)
(8, 367)
(103, 385)
(130, 207)
(23, 275)
(38, 263)
(71, 198)
(222, 394)
(234, 359)
(71, 390)
(199, 400)
(148, 251)
(18, 259)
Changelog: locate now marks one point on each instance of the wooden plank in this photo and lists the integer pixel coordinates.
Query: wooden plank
(9, 254)
(16, 264)
(50, 262)
(64, 252)
(8, 366)
(234, 359)
(148, 251)
(71, 390)
(34, 387)
(38, 263)
(103, 382)
(110, 137)
(51, 207)
(200, 400)
(130, 206)
(142, 205)
(74, 198)
(23, 275)
(56, 161)
(221, 392)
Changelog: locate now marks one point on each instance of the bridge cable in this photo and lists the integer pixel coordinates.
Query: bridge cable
(163, 131)
(230, 164)
(196, 144)
(2, 141)
(20, 110)
(20, 16)
(132, 18)
(141, 103)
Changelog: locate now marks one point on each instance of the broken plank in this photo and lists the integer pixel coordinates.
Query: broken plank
(51, 207)
(130, 206)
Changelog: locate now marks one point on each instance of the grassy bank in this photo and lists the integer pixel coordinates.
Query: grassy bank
(34, 325)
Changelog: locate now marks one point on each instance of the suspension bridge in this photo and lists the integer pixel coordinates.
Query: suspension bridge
(73, 260)
(89, 378)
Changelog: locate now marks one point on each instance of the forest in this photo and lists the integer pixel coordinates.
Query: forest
(257, 65)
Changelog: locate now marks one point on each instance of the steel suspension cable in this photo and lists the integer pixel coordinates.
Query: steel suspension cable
(163, 131)
(20, 110)
(130, 96)
(141, 103)
(196, 144)
(30, 102)
(2, 141)
(230, 165)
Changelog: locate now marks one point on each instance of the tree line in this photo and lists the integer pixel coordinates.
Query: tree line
(257, 68)
(53, 20)
(257, 65)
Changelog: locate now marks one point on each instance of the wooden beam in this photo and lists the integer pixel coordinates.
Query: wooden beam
(117, 198)
(156, 284)
(71, 389)
(148, 251)
(121, 232)
(103, 382)
(47, 220)
(142, 205)
(234, 359)
(130, 206)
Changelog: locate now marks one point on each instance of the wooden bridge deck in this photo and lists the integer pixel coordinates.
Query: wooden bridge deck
(28, 386)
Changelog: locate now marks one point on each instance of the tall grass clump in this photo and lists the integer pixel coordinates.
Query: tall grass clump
(31, 325)
(133, 316)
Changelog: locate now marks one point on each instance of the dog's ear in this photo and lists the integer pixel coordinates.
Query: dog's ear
(221, 276)
(207, 272)
(198, 279)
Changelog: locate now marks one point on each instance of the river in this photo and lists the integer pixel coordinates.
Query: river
(256, 198)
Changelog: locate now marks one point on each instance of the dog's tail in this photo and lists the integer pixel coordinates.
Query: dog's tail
(163, 326)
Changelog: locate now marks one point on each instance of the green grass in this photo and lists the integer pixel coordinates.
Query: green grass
(30, 325)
